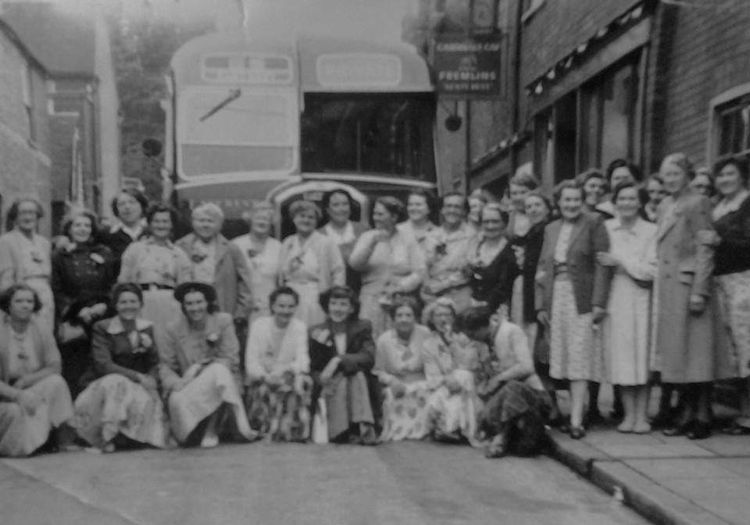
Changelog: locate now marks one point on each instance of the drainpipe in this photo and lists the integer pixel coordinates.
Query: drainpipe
(516, 91)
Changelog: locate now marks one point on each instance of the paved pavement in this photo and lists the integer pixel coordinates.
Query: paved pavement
(400, 483)
(669, 480)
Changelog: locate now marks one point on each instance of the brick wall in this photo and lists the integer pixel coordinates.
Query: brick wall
(706, 52)
(24, 166)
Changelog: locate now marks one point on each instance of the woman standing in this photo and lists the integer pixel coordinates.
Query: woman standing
(82, 276)
(157, 266)
(594, 188)
(400, 369)
(419, 209)
(391, 263)
(491, 261)
(218, 262)
(277, 365)
(122, 404)
(449, 363)
(655, 192)
(35, 399)
(200, 371)
(342, 354)
(129, 206)
(476, 201)
(25, 257)
(338, 206)
(573, 300)
(310, 262)
(262, 255)
(626, 330)
(732, 270)
(683, 306)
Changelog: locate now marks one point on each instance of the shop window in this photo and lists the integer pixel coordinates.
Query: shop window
(592, 125)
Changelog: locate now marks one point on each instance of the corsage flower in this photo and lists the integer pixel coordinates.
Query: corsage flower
(98, 259)
(212, 338)
(321, 335)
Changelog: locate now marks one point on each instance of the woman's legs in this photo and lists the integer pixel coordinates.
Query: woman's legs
(629, 404)
(578, 395)
(642, 425)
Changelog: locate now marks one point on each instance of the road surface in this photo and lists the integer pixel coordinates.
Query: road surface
(263, 483)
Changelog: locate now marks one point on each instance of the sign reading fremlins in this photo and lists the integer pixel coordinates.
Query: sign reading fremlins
(468, 67)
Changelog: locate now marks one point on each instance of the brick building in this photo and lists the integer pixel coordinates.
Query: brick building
(82, 103)
(587, 81)
(24, 124)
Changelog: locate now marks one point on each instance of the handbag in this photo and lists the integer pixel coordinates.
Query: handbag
(68, 332)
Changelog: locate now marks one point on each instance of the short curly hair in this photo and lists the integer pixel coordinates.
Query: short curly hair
(6, 296)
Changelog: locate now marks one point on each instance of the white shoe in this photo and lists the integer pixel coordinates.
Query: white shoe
(209, 441)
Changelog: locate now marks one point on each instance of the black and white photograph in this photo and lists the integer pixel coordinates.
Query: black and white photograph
(364, 262)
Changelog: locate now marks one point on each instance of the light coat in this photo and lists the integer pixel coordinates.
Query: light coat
(232, 276)
(684, 342)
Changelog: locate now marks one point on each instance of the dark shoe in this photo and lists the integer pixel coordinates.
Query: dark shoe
(577, 432)
(593, 417)
(700, 430)
(561, 423)
(662, 420)
(679, 430)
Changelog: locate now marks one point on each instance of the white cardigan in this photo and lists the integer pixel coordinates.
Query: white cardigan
(292, 355)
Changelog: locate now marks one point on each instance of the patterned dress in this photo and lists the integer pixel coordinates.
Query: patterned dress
(447, 266)
(574, 345)
(279, 392)
(116, 402)
(452, 416)
(400, 361)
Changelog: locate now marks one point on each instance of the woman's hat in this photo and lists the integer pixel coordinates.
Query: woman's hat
(207, 290)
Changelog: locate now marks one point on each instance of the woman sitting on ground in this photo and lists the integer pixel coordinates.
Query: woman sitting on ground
(34, 399)
(517, 407)
(200, 371)
(277, 364)
(123, 405)
(450, 360)
(342, 354)
(399, 367)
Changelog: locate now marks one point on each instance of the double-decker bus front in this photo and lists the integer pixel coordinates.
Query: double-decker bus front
(257, 120)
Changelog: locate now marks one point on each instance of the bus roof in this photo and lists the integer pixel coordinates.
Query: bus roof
(327, 64)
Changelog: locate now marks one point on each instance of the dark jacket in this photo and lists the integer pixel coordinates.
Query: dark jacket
(114, 353)
(81, 278)
(360, 347)
(532, 244)
(493, 283)
(590, 279)
(732, 255)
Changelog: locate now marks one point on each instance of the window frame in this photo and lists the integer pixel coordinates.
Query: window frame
(717, 107)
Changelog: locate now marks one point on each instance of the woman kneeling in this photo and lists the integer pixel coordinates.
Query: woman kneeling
(517, 407)
(200, 368)
(277, 366)
(342, 353)
(122, 405)
(34, 398)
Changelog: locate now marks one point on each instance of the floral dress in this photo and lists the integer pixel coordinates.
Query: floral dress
(116, 402)
(452, 415)
(399, 361)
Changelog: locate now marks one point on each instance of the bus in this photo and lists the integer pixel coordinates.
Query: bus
(252, 119)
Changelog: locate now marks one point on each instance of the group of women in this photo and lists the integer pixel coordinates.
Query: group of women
(461, 331)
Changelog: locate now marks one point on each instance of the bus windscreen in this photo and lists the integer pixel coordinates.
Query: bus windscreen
(383, 134)
(237, 130)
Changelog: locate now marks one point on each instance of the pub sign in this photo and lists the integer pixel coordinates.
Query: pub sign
(468, 67)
